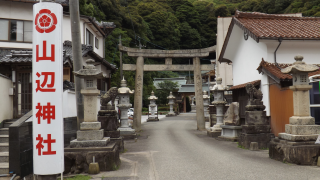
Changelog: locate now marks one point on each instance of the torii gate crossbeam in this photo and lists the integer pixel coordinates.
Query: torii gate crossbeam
(139, 67)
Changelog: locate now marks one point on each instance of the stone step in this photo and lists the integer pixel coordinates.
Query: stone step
(4, 157)
(4, 168)
(4, 138)
(4, 131)
(4, 147)
(8, 123)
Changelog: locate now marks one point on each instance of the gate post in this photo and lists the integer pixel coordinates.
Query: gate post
(198, 93)
(138, 94)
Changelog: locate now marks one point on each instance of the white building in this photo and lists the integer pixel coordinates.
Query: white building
(16, 20)
(275, 39)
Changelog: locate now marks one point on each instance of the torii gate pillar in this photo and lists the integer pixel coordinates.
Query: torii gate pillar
(138, 94)
(198, 94)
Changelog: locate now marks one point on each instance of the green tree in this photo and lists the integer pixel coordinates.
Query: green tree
(164, 91)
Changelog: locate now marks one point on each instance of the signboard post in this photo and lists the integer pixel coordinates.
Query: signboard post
(47, 67)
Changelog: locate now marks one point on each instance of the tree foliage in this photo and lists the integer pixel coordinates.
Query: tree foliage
(174, 24)
(164, 91)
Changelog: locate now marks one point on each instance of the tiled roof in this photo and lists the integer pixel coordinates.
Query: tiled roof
(255, 83)
(270, 26)
(25, 56)
(273, 26)
(275, 71)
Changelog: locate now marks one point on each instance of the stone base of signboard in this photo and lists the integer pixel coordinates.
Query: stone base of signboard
(301, 153)
(89, 143)
(152, 119)
(77, 160)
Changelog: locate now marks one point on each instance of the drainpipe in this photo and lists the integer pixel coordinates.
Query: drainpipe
(275, 53)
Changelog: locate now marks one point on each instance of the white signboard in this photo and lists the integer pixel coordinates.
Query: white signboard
(47, 68)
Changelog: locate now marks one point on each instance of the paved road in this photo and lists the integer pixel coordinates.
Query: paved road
(172, 149)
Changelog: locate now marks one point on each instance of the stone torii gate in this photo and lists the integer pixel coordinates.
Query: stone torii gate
(139, 67)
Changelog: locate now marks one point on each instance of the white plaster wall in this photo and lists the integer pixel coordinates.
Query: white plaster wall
(290, 48)
(16, 10)
(69, 104)
(264, 87)
(245, 55)
(6, 104)
(223, 70)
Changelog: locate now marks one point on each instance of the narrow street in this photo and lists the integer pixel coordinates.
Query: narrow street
(172, 149)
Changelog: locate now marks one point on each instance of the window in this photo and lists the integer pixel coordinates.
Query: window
(89, 38)
(15, 30)
(89, 83)
(96, 42)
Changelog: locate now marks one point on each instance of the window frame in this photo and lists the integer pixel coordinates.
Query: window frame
(9, 30)
(96, 42)
(87, 30)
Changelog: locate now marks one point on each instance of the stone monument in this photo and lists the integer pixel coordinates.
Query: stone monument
(193, 106)
(91, 141)
(206, 102)
(171, 103)
(152, 107)
(90, 133)
(219, 103)
(256, 128)
(124, 104)
(297, 144)
(232, 125)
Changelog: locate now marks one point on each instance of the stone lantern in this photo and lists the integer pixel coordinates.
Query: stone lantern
(171, 103)
(193, 106)
(152, 107)
(90, 133)
(219, 103)
(297, 144)
(206, 102)
(124, 104)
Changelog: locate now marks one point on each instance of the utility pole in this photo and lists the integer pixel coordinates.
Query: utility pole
(77, 56)
(121, 72)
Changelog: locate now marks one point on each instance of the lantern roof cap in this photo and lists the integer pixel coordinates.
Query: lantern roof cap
(124, 89)
(171, 96)
(152, 97)
(299, 67)
(218, 86)
(89, 70)
(205, 95)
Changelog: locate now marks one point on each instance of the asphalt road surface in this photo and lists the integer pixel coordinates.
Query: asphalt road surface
(172, 149)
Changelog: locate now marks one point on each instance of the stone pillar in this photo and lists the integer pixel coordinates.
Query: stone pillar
(198, 94)
(138, 95)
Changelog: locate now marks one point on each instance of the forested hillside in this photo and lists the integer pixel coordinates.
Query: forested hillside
(175, 24)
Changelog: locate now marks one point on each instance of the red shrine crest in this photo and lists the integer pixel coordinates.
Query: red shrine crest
(45, 21)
